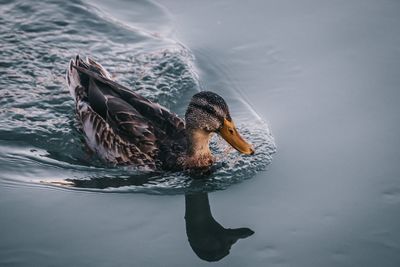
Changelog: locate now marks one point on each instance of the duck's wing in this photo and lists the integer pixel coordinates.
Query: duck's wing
(135, 118)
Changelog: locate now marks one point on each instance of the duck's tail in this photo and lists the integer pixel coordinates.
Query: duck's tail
(77, 81)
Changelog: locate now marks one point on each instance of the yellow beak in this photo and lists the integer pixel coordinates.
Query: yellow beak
(232, 136)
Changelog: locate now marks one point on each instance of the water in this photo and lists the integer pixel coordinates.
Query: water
(40, 136)
(322, 74)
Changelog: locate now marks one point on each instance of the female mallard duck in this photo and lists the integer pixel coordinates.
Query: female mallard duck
(125, 128)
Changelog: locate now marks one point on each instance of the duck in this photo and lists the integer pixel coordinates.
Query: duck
(124, 128)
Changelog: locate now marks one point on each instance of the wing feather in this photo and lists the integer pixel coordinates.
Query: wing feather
(144, 127)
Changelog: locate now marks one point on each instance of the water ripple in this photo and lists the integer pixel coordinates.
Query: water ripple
(39, 141)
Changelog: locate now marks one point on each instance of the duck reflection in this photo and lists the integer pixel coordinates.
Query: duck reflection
(208, 239)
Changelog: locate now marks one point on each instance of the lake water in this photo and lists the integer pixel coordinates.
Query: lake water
(312, 84)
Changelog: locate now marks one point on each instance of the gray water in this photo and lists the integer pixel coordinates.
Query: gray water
(322, 75)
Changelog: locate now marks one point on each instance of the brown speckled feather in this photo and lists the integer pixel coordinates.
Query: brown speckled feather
(122, 126)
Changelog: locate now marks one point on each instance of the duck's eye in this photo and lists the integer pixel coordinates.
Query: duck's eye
(231, 130)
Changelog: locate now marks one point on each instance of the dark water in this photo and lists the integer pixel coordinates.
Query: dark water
(323, 74)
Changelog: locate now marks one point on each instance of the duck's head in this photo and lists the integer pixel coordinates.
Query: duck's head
(208, 113)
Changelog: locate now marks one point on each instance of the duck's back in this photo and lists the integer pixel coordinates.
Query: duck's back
(121, 126)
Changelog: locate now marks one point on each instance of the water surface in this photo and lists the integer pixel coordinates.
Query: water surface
(322, 74)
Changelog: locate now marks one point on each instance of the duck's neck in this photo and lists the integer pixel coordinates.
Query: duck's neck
(198, 152)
